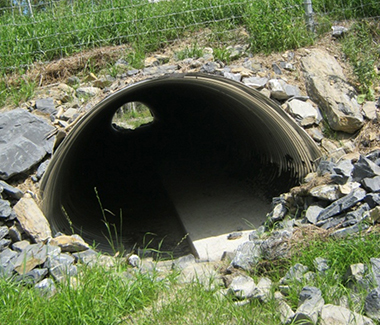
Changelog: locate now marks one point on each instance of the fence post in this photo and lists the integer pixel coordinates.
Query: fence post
(308, 7)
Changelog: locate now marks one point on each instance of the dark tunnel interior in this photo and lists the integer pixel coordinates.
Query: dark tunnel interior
(106, 182)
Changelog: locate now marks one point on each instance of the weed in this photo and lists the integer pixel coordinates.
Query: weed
(362, 49)
(193, 52)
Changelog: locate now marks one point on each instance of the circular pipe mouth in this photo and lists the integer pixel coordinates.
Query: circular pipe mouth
(115, 186)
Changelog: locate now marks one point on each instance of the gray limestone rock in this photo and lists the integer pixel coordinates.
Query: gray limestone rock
(88, 91)
(4, 243)
(24, 142)
(338, 31)
(242, 286)
(321, 265)
(303, 112)
(277, 245)
(365, 168)
(329, 192)
(46, 288)
(255, 82)
(372, 184)
(247, 255)
(4, 231)
(32, 277)
(184, 261)
(7, 262)
(373, 155)
(369, 110)
(348, 231)
(312, 213)
(295, 273)
(286, 312)
(6, 212)
(327, 86)
(20, 245)
(263, 290)
(10, 191)
(310, 305)
(342, 204)
(325, 167)
(46, 105)
(30, 257)
(357, 275)
(338, 315)
(88, 257)
(41, 169)
(372, 304)
(375, 270)
(276, 69)
(232, 76)
(372, 199)
(134, 260)
(61, 266)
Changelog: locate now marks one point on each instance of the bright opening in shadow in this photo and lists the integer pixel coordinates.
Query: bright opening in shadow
(131, 116)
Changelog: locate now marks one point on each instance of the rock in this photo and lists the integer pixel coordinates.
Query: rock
(46, 105)
(32, 277)
(346, 232)
(203, 273)
(88, 91)
(372, 199)
(311, 303)
(7, 262)
(337, 315)
(32, 220)
(348, 187)
(312, 213)
(372, 215)
(73, 80)
(276, 69)
(303, 112)
(242, 286)
(30, 257)
(42, 169)
(375, 270)
(365, 168)
(70, 244)
(338, 31)
(321, 265)
(235, 235)
(255, 82)
(369, 110)
(372, 304)
(184, 261)
(278, 213)
(14, 234)
(134, 260)
(373, 155)
(232, 76)
(88, 257)
(20, 246)
(263, 290)
(4, 231)
(4, 243)
(286, 312)
(247, 255)
(280, 90)
(372, 184)
(344, 170)
(315, 133)
(24, 142)
(277, 245)
(61, 267)
(10, 191)
(326, 192)
(46, 288)
(333, 148)
(342, 204)
(327, 86)
(357, 275)
(295, 273)
(209, 67)
(356, 215)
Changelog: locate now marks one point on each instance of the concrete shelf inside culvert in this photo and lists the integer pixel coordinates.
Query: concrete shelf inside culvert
(202, 167)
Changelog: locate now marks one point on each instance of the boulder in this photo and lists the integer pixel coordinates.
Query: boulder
(242, 287)
(70, 244)
(303, 112)
(32, 220)
(337, 315)
(311, 303)
(372, 304)
(24, 142)
(328, 87)
(247, 255)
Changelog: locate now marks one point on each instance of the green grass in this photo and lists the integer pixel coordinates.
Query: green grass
(103, 296)
(272, 25)
(120, 295)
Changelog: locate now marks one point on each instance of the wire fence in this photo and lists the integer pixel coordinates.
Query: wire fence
(42, 30)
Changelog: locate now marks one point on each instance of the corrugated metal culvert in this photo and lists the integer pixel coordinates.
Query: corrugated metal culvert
(203, 125)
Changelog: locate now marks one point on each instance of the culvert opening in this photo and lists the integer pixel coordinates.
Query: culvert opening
(131, 116)
(207, 165)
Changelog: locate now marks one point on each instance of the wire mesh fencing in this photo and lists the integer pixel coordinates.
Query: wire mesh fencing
(42, 30)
